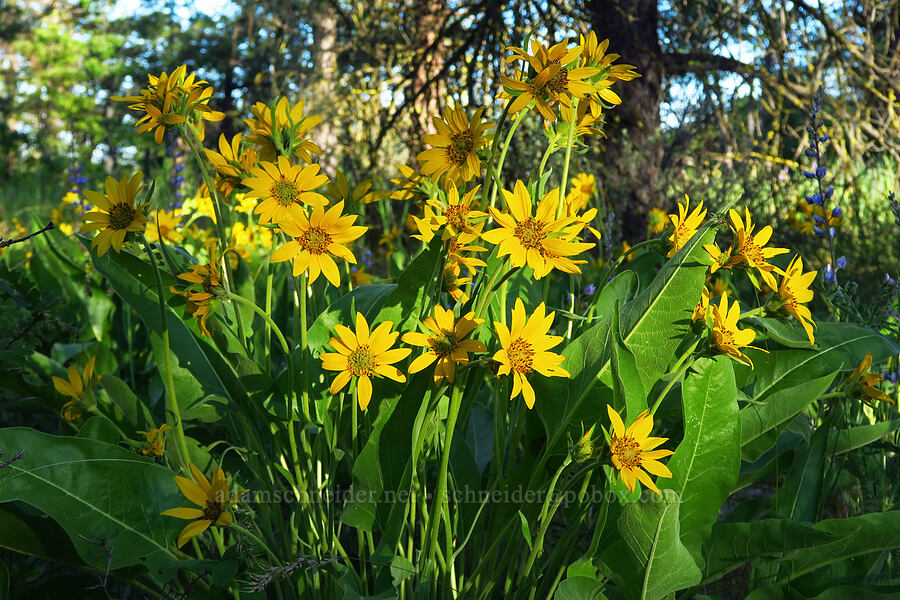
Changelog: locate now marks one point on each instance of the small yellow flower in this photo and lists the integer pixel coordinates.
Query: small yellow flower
(583, 188)
(452, 283)
(389, 240)
(462, 252)
(410, 184)
(169, 221)
(750, 252)
(78, 388)
(316, 239)
(657, 221)
(204, 290)
(595, 55)
(292, 127)
(794, 291)
(539, 240)
(686, 225)
(702, 307)
(454, 146)
(363, 355)
(245, 240)
(231, 164)
(524, 348)
(359, 276)
(726, 334)
(862, 383)
(455, 213)
(633, 451)
(155, 440)
(115, 213)
(211, 496)
(446, 343)
(284, 188)
(551, 80)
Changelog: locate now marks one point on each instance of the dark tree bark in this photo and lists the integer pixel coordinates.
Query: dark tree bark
(425, 87)
(632, 153)
(325, 66)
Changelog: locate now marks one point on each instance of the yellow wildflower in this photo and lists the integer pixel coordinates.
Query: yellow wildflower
(213, 499)
(862, 383)
(156, 441)
(446, 344)
(292, 127)
(749, 251)
(115, 213)
(454, 146)
(169, 221)
(686, 225)
(78, 388)
(633, 451)
(657, 221)
(727, 336)
(284, 188)
(794, 292)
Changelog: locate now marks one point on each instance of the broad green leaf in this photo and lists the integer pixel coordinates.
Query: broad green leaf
(854, 536)
(27, 531)
(417, 288)
(775, 409)
(649, 562)
(788, 334)
(845, 440)
(733, 544)
(652, 326)
(98, 493)
(706, 463)
(100, 429)
(799, 498)
(628, 391)
(579, 588)
(526, 529)
(621, 289)
(401, 570)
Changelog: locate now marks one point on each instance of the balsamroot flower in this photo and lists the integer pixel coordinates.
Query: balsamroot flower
(231, 163)
(727, 336)
(862, 383)
(686, 224)
(633, 451)
(283, 135)
(657, 221)
(524, 348)
(78, 389)
(156, 440)
(702, 307)
(794, 292)
(165, 222)
(115, 213)
(211, 496)
(363, 355)
(452, 282)
(446, 344)
(454, 145)
(455, 213)
(583, 189)
(316, 239)
(284, 188)
(204, 291)
(749, 251)
(539, 241)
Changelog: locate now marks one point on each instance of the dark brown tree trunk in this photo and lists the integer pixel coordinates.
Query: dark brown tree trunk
(325, 66)
(632, 153)
(430, 16)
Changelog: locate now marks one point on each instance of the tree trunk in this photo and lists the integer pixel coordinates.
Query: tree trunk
(632, 153)
(430, 16)
(325, 66)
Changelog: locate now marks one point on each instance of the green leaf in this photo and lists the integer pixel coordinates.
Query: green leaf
(706, 463)
(100, 494)
(652, 326)
(649, 562)
(799, 499)
(777, 407)
(401, 570)
(733, 544)
(25, 530)
(621, 289)
(526, 530)
(626, 378)
(845, 440)
(854, 536)
(416, 287)
(788, 334)
(579, 588)
(100, 429)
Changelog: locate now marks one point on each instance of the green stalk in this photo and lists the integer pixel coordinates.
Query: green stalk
(489, 171)
(500, 162)
(171, 400)
(431, 532)
(561, 209)
(546, 517)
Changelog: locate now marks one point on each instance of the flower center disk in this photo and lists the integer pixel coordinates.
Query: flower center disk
(521, 355)
(285, 192)
(120, 216)
(361, 361)
(530, 233)
(316, 240)
(460, 146)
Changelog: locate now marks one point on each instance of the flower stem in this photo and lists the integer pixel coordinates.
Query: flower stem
(431, 532)
(546, 516)
(171, 399)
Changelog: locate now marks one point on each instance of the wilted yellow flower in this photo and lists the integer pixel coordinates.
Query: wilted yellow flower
(794, 292)
(862, 383)
(363, 355)
(316, 239)
(633, 451)
(702, 307)
(686, 225)
(446, 344)
(115, 213)
(454, 146)
(213, 499)
(156, 441)
(536, 240)
(284, 188)
(292, 127)
(726, 334)
(524, 348)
